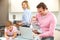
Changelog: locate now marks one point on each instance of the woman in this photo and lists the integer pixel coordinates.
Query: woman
(10, 31)
(46, 21)
(26, 17)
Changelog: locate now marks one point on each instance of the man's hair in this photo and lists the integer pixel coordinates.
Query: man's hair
(42, 5)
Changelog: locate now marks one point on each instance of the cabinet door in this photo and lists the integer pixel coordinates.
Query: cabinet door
(16, 5)
(3, 12)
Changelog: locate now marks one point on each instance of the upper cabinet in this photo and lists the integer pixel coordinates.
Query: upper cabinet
(16, 5)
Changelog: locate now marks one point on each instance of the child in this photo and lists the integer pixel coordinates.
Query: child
(18, 25)
(34, 23)
(10, 31)
(35, 28)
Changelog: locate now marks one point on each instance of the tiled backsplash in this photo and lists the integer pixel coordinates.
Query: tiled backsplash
(19, 16)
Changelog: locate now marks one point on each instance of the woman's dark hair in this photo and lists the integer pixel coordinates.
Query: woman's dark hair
(42, 5)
